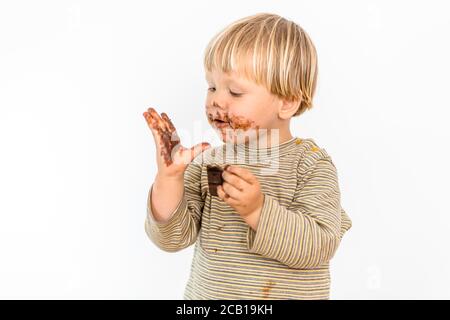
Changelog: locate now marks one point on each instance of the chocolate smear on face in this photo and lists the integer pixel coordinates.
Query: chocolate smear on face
(235, 122)
(231, 123)
(210, 117)
(239, 122)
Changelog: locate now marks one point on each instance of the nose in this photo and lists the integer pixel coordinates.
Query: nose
(217, 105)
(217, 100)
(215, 108)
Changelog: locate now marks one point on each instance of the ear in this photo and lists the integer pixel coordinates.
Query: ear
(287, 108)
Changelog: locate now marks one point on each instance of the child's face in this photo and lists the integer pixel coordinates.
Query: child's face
(245, 108)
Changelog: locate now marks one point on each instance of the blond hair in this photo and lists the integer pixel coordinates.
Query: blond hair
(271, 51)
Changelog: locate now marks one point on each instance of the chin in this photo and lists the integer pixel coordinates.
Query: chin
(236, 136)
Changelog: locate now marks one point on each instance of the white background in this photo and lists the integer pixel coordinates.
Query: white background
(77, 157)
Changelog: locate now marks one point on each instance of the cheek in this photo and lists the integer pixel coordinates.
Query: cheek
(208, 115)
(243, 123)
(252, 118)
(260, 110)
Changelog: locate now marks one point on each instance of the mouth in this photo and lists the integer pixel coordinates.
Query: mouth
(221, 124)
(223, 121)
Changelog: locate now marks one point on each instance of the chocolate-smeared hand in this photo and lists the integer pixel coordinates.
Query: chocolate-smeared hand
(172, 157)
(242, 191)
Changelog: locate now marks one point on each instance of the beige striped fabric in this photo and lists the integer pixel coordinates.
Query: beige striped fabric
(300, 228)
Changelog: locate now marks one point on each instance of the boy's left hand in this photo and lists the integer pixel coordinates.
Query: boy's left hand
(241, 190)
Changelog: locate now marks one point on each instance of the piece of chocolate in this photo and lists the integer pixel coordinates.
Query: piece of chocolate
(214, 178)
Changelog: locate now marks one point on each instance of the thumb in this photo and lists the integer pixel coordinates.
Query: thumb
(197, 149)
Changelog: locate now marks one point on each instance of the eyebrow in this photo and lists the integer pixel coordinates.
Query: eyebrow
(228, 81)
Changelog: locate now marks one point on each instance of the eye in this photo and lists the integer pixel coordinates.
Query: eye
(234, 94)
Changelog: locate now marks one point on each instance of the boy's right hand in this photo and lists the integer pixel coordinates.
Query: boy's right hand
(172, 158)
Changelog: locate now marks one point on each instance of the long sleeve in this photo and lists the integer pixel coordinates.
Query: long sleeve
(181, 230)
(307, 234)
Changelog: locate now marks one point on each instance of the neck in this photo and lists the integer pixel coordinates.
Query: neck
(285, 135)
(270, 138)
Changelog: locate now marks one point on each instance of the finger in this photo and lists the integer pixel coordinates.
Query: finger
(222, 195)
(243, 173)
(232, 191)
(152, 124)
(235, 180)
(160, 127)
(196, 150)
(172, 136)
(150, 120)
(155, 115)
(168, 122)
(226, 197)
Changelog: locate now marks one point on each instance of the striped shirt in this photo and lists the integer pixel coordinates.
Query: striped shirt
(299, 230)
